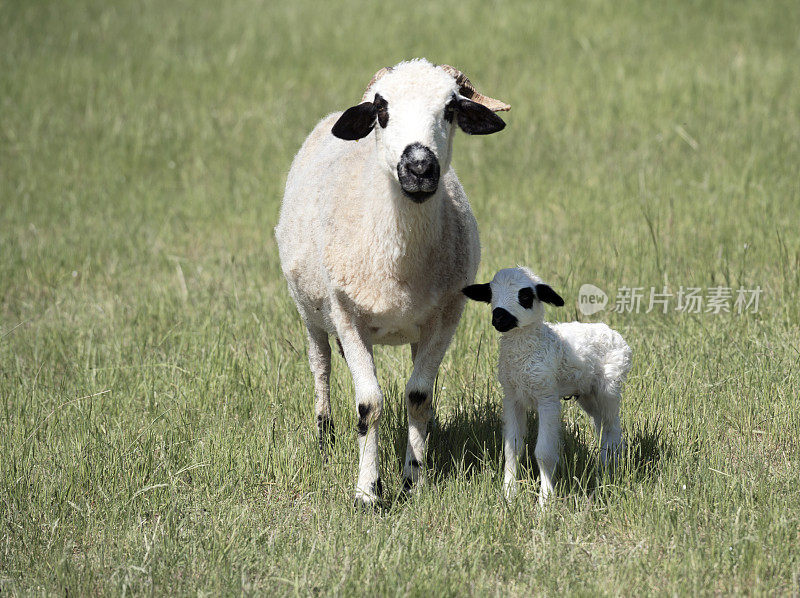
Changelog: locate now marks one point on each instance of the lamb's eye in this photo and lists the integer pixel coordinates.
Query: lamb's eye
(449, 110)
(525, 297)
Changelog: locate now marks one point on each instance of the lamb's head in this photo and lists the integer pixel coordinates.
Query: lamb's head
(516, 295)
(416, 105)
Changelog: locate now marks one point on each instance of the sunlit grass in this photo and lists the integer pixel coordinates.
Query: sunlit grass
(157, 429)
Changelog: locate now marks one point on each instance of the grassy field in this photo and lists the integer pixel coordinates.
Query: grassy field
(157, 431)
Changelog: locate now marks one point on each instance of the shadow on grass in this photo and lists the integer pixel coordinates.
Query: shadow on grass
(580, 470)
(470, 440)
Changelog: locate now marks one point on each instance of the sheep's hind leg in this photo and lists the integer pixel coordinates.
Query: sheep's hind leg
(427, 355)
(319, 359)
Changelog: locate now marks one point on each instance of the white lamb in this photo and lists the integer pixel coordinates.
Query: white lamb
(541, 363)
(377, 239)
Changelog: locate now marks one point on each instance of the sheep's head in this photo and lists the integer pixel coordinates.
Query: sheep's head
(516, 295)
(416, 106)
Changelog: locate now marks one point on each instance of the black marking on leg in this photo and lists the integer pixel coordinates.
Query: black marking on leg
(407, 484)
(341, 349)
(417, 398)
(414, 463)
(363, 414)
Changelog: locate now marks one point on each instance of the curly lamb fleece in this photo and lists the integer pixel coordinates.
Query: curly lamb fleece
(541, 363)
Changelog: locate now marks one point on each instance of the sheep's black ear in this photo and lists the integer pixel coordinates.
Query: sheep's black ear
(356, 122)
(479, 292)
(477, 119)
(547, 295)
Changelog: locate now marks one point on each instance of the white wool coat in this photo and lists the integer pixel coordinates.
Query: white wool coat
(562, 360)
(345, 227)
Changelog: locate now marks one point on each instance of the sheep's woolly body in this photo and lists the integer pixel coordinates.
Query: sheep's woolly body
(370, 266)
(346, 227)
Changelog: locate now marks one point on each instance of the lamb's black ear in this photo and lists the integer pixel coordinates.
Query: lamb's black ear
(547, 295)
(477, 119)
(479, 292)
(356, 122)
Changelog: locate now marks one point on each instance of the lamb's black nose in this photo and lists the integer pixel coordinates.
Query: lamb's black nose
(502, 320)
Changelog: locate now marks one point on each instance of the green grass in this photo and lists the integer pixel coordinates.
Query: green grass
(157, 430)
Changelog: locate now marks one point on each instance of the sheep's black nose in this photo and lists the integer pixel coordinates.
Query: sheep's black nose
(423, 167)
(502, 320)
(418, 172)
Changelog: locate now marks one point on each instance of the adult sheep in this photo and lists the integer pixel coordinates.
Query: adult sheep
(377, 239)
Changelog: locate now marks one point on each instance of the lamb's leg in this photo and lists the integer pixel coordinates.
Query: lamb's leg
(548, 443)
(603, 407)
(369, 403)
(319, 358)
(427, 354)
(515, 426)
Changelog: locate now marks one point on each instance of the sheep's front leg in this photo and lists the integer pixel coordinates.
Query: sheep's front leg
(357, 350)
(515, 423)
(427, 355)
(548, 443)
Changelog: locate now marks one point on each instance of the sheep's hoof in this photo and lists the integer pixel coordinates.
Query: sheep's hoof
(510, 492)
(545, 498)
(369, 500)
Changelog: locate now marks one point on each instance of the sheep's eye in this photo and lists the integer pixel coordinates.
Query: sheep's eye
(526, 296)
(449, 110)
(383, 110)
